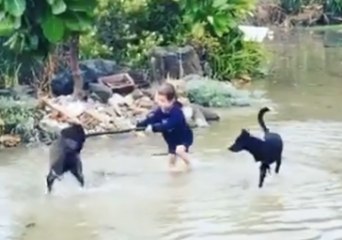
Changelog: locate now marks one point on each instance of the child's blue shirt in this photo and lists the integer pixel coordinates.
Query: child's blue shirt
(172, 124)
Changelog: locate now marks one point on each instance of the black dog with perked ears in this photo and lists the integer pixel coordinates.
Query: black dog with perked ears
(266, 151)
(65, 155)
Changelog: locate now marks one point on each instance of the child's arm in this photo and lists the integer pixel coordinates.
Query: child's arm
(151, 118)
(175, 118)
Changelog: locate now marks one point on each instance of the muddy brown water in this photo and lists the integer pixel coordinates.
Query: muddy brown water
(131, 195)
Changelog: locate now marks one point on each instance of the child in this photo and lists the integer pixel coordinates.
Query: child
(169, 119)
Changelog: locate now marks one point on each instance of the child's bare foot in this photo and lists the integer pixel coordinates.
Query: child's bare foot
(172, 166)
(188, 167)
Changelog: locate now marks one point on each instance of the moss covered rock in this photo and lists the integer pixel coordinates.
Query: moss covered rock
(211, 93)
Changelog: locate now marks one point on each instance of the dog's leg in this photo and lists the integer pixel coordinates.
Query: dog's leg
(77, 171)
(50, 178)
(278, 164)
(263, 170)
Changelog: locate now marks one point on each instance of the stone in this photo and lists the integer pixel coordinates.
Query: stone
(62, 83)
(102, 92)
(208, 114)
(137, 93)
(102, 67)
(198, 117)
(174, 62)
(140, 78)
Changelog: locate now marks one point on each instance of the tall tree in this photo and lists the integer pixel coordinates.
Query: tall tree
(37, 26)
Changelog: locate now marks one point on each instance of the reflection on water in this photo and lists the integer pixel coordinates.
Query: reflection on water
(131, 195)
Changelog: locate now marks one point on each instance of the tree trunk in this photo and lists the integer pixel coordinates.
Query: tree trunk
(78, 81)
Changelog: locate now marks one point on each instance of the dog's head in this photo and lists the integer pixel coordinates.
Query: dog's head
(240, 141)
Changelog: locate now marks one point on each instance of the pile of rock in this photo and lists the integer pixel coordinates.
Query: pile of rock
(119, 112)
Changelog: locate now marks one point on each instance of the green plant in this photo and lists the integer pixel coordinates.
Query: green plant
(129, 29)
(218, 17)
(90, 47)
(9, 78)
(231, 63)
(214, 27)
(17, 117)
(333, 6)
(36, 26)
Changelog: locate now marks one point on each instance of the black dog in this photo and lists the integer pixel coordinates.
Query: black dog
(65, 155)
(266, 151)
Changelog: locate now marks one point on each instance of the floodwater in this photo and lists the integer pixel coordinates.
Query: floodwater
(130, 193)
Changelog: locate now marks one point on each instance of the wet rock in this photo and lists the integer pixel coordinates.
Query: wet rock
(209, 115)
(63, 84)
(102, 92)
(194, 116)
(140, 78)
(102, 67)
(137, 93)
(91, 70)
(174, 62)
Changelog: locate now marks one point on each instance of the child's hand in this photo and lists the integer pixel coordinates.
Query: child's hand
(148, 129)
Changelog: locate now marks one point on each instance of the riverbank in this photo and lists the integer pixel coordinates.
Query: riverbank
(105, 112)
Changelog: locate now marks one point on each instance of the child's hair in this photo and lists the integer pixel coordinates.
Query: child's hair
(167, 90)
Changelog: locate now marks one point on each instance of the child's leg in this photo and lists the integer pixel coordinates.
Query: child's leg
(172, 155)
(172, 160)
(181, 151)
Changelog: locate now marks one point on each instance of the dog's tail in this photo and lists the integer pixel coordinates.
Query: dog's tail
(261, 119)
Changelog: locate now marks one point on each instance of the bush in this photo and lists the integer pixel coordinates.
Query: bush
(127, 30)
(18, 117)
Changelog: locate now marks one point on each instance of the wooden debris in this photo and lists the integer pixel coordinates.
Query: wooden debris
(10, 140)
(119, 83)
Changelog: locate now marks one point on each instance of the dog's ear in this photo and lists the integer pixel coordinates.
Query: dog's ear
(244, 131)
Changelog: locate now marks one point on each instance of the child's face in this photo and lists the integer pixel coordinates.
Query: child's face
(162, 101)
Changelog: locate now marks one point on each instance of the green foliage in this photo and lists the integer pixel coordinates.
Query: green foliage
(218, 17)
(18, 117)
(129, 29)
(37, 25)
(9, 78)
(334, 7)
(215, 28)
(292, 6)
(90, 47)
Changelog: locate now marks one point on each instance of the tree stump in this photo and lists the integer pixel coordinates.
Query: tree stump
(174, 63)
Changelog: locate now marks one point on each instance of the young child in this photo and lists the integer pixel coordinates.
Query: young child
(169, 120)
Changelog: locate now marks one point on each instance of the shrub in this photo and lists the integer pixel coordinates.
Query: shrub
(18, 117)
(129, 29)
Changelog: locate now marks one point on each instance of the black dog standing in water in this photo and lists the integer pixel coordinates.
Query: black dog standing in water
(266, 151)
(65, 155)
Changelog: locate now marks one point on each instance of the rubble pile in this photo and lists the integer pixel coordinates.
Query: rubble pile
(119, 113)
